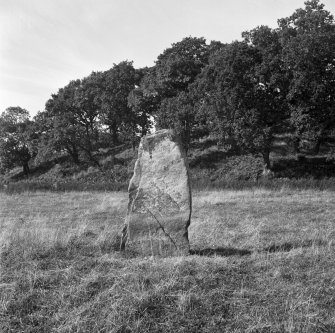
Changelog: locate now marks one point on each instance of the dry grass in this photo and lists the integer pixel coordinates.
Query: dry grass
(261, 219)
(265, 263)
(58, 217)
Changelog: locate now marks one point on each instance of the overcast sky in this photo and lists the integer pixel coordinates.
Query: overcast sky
(46, 43)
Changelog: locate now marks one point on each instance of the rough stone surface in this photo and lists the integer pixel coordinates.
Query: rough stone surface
(159, 208)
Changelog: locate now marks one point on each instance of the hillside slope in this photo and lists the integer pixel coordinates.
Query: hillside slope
(210, 166)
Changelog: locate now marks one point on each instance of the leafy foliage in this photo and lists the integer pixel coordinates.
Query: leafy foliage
(15, 137)
(92, 113)
(116, 114)
(165, 87)
(179, 65)
(243, 106)
(308, 39)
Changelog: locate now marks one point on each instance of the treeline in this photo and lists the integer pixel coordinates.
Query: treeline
(243, 94)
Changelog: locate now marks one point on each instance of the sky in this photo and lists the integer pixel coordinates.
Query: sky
(44, 44)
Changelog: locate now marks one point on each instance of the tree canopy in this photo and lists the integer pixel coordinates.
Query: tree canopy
(308, 41)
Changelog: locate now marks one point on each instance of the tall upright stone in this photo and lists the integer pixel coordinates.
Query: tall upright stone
(159, 208)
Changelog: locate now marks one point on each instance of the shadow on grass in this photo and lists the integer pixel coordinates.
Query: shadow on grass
(220, 251)
(288, 246)
(304, 166)
(207, 160)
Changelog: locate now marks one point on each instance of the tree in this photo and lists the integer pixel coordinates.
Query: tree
(144, 100)
(42, 144)
(163, 91)
(87, 108)
(241, 96)
(63, 128)
(14, 139)
(178, 66)
(117, 84)
(72, 115)
(178, 113)
(143, 106)
(308, 41)
(272, 82)
(93, 112)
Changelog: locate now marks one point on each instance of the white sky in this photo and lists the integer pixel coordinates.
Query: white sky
(46, 43)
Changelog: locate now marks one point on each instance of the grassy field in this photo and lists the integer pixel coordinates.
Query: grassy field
(262, 261)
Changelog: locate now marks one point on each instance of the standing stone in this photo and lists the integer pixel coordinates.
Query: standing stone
(159, 208)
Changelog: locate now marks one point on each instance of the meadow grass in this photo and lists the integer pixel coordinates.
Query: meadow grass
(262, 261)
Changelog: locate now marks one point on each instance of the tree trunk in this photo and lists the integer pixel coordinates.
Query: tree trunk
(74, 154)
(266, 157)
(26, 169)
(90, 156)
(115, 138)
(317, 146)
(92, 159)
(296, 144)
(113, 132)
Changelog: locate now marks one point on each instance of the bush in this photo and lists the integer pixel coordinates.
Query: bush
(245, 167)
(235, 169)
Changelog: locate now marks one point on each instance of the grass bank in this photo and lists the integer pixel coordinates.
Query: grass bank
(262, 261)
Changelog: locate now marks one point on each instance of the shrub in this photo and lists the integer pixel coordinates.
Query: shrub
(245, 167)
